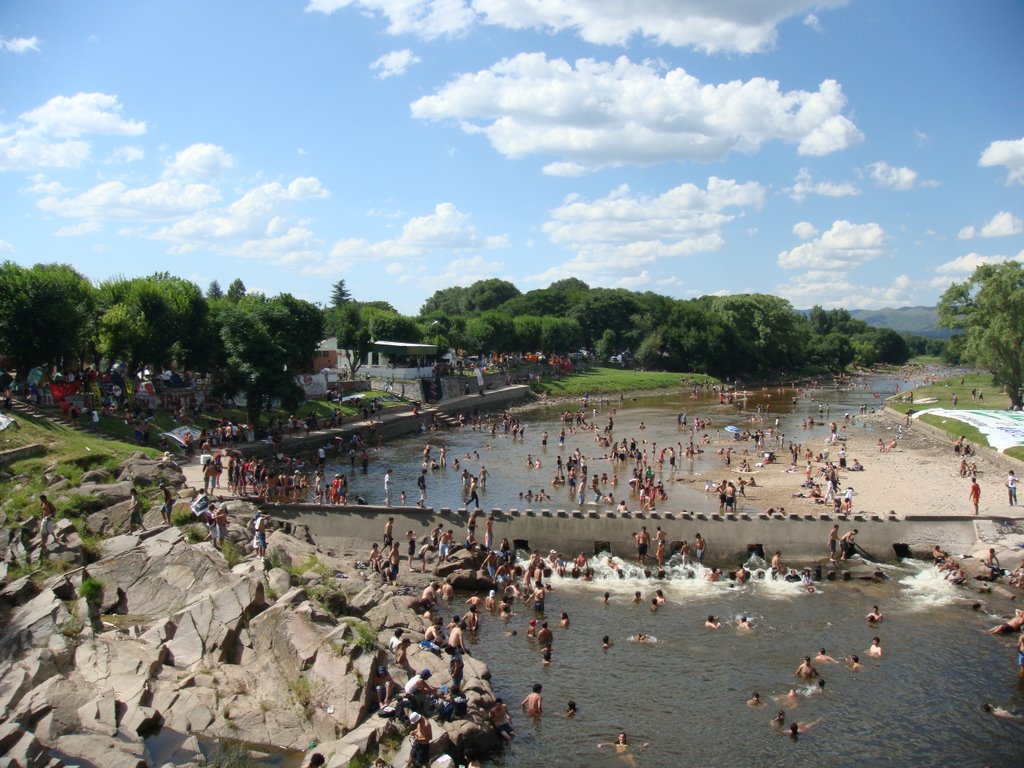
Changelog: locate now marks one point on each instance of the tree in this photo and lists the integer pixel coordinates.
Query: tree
(447, 301)
(340, 294)
(214, 291)
(528, 330)
(236, 290)
(267, 342)
(46, 315)
(989, 308)
(484, 295)
(158, 319)
(559, 334)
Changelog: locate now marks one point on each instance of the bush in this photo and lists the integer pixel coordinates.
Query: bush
(92, 591)
(232, 553)
(366, 638)
(76, 506)
(182, 517)
(195, 533)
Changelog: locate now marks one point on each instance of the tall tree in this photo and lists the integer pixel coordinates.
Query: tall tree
(340, 294)
(214, 291)
(46, 315)
(236, 290)
(267, 343)
(989, 308)
(158, 319)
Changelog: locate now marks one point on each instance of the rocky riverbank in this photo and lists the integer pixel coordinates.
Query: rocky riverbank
(160, 635)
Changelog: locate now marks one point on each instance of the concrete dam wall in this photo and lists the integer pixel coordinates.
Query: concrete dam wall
(730, 539)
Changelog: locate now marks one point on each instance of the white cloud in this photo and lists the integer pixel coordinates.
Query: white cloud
(78, 230)
(1006, 153)
(23, 150)
(246, 217)
(115, 200)
(296, 245)
(812, 21)
(6, 247)
(806, 185)
(50, 136)
(921, 138)
(744, 26)
(444, 230)
(19, 44)
(198, 161)
(394, 63)
(125, 155)
(564, 169)
(428, 19)
(831, 289)
(72, 116)
(597, 113)
(890, 177)
(619, 236)
(805, 230)
(843, 247)
(1003, 224)
(966, 264)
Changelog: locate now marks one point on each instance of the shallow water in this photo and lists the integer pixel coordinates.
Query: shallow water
(686, 694)
(506, 459)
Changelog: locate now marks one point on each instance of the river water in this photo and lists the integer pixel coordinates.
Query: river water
(919, 705)
(686, 693)
(506, 458)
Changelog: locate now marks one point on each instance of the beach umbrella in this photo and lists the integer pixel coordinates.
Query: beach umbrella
(735, 430)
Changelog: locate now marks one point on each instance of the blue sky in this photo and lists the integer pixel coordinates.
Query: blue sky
(852, 154)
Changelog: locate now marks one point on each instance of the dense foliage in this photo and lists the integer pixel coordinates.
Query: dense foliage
(989, 308)
(252, 344)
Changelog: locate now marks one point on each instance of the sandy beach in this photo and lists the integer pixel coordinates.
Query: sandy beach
(921, 475)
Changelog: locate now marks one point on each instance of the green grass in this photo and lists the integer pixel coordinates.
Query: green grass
(602, 381)
(925, 360)
(943, 392)
(91, 590)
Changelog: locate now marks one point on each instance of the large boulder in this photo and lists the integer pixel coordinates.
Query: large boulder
(213, 624)
(106, 494)
(161, 573)
(100, 751)
(147, 473)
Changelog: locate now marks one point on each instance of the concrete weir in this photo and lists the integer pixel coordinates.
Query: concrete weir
(731, 538)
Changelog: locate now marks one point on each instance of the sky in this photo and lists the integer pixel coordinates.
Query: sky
(846, 153)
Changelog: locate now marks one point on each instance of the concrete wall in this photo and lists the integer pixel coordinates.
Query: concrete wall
(397, 422)
(802, 538)
(25, 452)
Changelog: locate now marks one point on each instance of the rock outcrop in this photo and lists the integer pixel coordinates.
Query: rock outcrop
(177, 640)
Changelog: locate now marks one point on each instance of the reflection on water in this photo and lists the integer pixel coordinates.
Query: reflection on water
(687, 693)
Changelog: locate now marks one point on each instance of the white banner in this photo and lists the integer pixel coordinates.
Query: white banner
(1002, 429)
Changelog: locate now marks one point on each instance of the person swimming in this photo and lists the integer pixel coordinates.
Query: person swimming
(755, 700)
(874, 616)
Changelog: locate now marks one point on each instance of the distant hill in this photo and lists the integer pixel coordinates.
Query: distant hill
(920, 321)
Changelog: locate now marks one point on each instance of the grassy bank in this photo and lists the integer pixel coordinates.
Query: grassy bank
(942, 392)
(603, 381)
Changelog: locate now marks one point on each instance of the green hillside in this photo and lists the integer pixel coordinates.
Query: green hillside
(920, 321)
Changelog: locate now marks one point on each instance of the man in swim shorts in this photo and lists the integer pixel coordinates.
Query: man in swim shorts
(643, 542)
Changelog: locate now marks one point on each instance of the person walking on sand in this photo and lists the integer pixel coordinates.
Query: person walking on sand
(1011, 488)
(975, 494)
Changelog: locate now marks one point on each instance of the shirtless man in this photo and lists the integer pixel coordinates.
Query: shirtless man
(545, 637)
(533, 705)
(805, 670)
(1011, 626)
(777, 564)
(876, 647)
(502, 720)
(643, 542)
(47, 517)
(712, 622)
(833, 542)
(824, 658)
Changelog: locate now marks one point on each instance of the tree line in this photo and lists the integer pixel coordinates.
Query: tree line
(50, 314)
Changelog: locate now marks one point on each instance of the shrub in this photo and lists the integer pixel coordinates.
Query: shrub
(195, 534)
(91, 590)
(232, 553)
(182, 517)
(365, 636)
